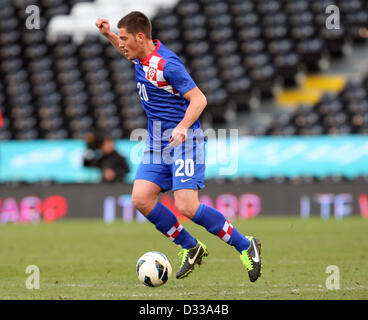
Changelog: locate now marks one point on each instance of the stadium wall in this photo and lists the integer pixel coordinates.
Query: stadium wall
(226, 157)
(111, 203)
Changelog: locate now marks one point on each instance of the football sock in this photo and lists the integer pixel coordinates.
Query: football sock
(167, 223)
(215, 223)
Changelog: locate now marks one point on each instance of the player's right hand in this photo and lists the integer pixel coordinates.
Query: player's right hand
(104, 26)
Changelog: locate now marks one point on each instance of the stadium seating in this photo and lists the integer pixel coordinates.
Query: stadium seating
(57, 85)
(345, 112)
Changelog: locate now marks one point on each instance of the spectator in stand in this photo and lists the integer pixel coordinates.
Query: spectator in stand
(101, 153)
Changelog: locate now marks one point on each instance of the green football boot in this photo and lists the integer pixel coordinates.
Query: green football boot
(190, 257)
(251, 258)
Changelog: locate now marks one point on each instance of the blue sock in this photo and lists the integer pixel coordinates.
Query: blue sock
(167, 223)
(215, 223)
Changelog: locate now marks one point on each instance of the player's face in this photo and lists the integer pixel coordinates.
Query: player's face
(129, 44)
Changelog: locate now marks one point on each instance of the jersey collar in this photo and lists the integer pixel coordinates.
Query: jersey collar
(146, 60)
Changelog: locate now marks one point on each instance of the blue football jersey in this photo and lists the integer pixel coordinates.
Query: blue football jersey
(162, 80)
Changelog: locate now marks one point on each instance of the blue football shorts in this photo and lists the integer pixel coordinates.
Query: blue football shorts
(181, 167)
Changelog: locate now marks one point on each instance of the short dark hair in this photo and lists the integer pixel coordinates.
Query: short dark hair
(135, 22)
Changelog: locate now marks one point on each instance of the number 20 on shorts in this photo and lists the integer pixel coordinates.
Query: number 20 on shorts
(187, 165)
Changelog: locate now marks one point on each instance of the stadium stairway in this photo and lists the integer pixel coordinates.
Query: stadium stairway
(278, 111)
(311, 90)
(350, 67)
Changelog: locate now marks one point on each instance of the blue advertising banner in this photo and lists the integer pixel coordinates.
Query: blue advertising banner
(292, 156)
(32, 161)
(231, 157)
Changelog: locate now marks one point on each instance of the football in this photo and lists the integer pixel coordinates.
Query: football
(153, 269)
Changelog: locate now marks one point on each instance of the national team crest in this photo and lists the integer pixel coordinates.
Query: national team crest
(151, 74)
(154, 73)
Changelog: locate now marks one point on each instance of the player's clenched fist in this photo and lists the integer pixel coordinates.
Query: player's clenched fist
(178, 136)
(104, 26)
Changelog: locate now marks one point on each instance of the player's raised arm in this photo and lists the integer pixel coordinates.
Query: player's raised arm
(103, 26)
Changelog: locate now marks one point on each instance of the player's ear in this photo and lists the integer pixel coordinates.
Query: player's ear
(140, 37)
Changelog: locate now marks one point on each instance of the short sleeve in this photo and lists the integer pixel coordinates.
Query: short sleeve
(177, 76)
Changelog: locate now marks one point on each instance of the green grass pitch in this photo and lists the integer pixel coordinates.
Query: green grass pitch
(87, 259)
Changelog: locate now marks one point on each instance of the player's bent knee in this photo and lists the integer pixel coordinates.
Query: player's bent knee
(185, 208)
(144, 196)
(136, 202)
(143, 204)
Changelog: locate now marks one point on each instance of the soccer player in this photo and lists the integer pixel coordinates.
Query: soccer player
(173, 104)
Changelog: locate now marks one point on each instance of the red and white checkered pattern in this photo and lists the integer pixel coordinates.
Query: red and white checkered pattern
(225, 233)
(174, 231)
(153, 67)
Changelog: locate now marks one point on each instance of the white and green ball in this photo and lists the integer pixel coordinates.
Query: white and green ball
(153, 269)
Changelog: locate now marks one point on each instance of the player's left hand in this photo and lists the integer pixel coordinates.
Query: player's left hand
(178, 136)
